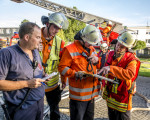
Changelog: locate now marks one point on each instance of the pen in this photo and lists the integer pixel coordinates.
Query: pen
(43, 83)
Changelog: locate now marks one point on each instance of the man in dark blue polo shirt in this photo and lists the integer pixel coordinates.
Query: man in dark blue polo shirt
(21, 70)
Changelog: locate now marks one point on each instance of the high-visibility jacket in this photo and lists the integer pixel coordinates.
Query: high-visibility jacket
(107, 29)
(106, 39)
(52, 61)
(73, 61)
(117, 96)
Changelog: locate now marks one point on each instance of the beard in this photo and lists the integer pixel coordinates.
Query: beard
(118, 54)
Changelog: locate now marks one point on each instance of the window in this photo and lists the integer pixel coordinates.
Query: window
(7, 31)
(1, 31)
(148, 41)
(148, 32)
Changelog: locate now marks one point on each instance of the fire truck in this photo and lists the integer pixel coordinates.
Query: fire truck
(14, 39)
(8, 42)
(3, 43)
(99, 22)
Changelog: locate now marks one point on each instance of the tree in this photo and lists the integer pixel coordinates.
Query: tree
(139, 45)
(74, 27)
(25, 20)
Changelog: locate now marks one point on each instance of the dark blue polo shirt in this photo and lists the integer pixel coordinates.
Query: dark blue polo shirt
(15, 65)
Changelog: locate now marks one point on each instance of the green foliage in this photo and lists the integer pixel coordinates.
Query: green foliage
(145, 60)
(139, 45)
(144, 70)
(74, 27)
(74, 7)
(25, 20)
(125, 27)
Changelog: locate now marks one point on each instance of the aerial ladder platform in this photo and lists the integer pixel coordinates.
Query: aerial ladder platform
(73, 13)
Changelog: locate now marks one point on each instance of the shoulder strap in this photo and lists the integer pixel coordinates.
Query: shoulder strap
(109, 58)
(25, 98)
(58, 42)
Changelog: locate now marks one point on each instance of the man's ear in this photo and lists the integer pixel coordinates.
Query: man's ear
(26, 37)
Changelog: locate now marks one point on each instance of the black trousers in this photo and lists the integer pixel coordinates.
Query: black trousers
(81, 110)
(33, 112)
(53, 98)
(116, 115)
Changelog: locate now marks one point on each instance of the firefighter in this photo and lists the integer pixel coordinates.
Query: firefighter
(78, 57)
(51, 52)
(105, 32)
(102, 53)
(124, 66)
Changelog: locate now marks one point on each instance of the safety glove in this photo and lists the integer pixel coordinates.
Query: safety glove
(80, 75)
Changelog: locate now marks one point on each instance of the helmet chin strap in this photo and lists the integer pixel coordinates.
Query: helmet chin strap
(48, 34)
(83, 44)
(78, 37)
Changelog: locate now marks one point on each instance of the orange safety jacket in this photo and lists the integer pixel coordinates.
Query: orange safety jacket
(73, 61)
(107, 29)
(117, 96)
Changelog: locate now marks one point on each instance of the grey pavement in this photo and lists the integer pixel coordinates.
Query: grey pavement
(143, 88)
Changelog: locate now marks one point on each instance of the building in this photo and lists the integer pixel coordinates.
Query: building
(142, 33)
(8, 32)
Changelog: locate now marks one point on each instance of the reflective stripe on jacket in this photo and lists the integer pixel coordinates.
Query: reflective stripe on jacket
(117, 96)
(73, 61)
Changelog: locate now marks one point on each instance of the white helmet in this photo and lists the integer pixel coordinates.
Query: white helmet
(109, 23)
(59, 19)
(126, 39)
(91, 34)
(104, 46)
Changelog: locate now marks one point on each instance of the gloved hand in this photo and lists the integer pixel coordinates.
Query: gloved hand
(94, 59)
(80, 75)
(63, 85)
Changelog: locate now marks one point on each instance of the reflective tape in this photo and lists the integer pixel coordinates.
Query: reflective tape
(84, 97)
(65, 70)
(75, 54)
(84, 90)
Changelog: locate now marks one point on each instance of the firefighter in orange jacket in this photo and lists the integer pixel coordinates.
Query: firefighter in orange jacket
(51, 54)
(77, 57)
(106, 30)
(123, 65)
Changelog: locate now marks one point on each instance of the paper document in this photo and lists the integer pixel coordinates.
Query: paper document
(50, 75)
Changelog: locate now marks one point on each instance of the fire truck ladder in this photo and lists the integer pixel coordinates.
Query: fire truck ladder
(72, 13)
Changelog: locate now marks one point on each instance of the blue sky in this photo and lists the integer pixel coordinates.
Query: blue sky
(128, 12)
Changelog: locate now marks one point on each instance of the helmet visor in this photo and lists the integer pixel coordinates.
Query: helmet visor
(59, 19)
(65, 22)
(93, 37)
